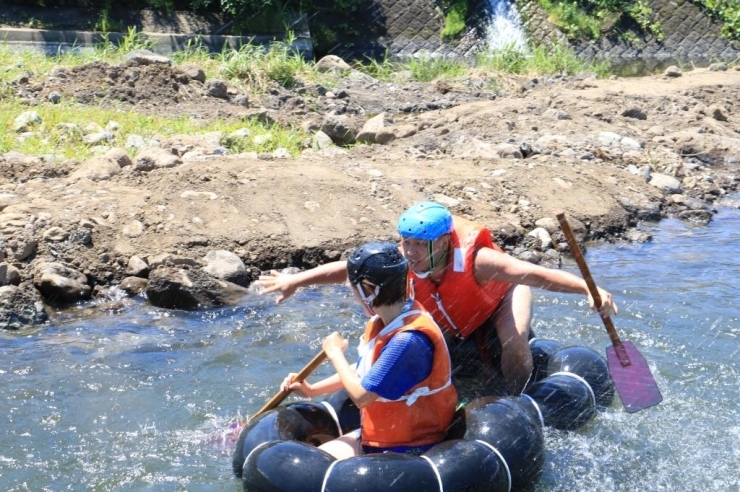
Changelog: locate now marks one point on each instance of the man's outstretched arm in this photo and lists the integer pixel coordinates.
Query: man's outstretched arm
(287, 283)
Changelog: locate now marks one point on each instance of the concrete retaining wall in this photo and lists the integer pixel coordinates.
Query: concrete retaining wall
(51, 42)
(691, 38)
(408, 28)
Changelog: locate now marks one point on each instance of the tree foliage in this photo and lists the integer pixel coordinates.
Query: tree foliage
(591, 18)
(329, 21)
(727, 12)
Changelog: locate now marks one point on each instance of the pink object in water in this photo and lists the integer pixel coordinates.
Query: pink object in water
(634, 381)
(630, 373)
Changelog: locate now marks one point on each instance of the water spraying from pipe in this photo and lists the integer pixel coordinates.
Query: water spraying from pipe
(505, 27)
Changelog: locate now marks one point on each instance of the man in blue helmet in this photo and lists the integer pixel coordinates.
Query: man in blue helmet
(479, 295)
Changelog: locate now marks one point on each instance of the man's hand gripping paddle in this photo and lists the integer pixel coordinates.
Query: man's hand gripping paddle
(629, 370)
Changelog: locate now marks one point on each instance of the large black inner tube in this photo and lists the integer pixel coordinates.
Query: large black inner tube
(494, 442)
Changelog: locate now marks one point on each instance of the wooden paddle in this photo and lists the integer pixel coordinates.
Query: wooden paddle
(303, 374)
(629, 370)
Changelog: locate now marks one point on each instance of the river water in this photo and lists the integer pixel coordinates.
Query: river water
(138, 399)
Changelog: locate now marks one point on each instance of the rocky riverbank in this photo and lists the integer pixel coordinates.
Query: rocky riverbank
(188, 225)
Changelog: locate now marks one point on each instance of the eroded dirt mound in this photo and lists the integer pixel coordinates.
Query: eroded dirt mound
(20, 168)
(130, 83)
(509, 155)
(146, 82)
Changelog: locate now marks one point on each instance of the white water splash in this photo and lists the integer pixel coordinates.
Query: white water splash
(505, 27)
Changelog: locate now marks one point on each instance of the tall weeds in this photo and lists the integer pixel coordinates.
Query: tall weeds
(557, 59)
(258, 66)
(254, 68)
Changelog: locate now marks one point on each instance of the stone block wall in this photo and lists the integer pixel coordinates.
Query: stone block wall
(691, 38)
(402, 29)
(406, 28)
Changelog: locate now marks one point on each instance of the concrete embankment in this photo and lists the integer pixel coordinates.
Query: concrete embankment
(61, 41)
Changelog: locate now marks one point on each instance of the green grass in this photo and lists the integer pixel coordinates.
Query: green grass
(383, 70)
(590, 19)
(49, 138)
(727, 12)
(258, 66)
(572, 19)
(541, 60)
(427, 69)
(252, 68)
(508, 59)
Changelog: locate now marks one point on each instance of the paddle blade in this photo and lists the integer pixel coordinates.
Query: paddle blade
(634, 382)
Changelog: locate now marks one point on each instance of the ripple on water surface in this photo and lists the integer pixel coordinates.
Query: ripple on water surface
(139, 400)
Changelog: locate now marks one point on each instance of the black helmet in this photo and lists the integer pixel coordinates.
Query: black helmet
(378, 263)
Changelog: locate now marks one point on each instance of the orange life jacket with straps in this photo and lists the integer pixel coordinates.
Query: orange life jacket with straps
(423, 414)
(458, 303)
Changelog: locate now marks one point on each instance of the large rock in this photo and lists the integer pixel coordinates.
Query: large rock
(25, 121)
(9, 274)
(154, 158)
(340, 128)
(180, 145)
(137, 267)
(23, 247)
(181, 288)
(20, 307)
(371, 128)
(668, 184)
(133, 286)
(193, 72)
(332, 63)
(226, 266)
(60, 284)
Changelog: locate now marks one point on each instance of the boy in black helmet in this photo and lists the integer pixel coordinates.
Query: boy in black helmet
(402, 381)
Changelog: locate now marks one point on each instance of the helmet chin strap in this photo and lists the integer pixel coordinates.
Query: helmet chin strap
(432, 261)
(368, 300)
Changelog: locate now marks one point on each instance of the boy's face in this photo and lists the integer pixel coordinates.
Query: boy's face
(416, 251)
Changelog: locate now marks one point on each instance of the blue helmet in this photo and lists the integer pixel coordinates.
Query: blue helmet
(425, 220)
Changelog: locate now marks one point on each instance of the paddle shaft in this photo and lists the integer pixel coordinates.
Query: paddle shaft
(303, 374)
(581, 261)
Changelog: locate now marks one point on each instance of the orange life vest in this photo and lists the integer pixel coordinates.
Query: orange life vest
(424, 413)
(458, 303)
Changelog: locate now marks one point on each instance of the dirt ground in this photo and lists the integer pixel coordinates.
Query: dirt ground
(506, 157)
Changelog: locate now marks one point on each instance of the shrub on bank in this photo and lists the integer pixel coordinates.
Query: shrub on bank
(592, 18)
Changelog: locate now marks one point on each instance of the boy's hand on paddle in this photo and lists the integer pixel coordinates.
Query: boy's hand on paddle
(275, 281)
(608, 306)
(302, 388)
(334, 345)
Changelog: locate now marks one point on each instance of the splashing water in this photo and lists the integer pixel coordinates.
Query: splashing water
(505, 27)
(150, 399)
